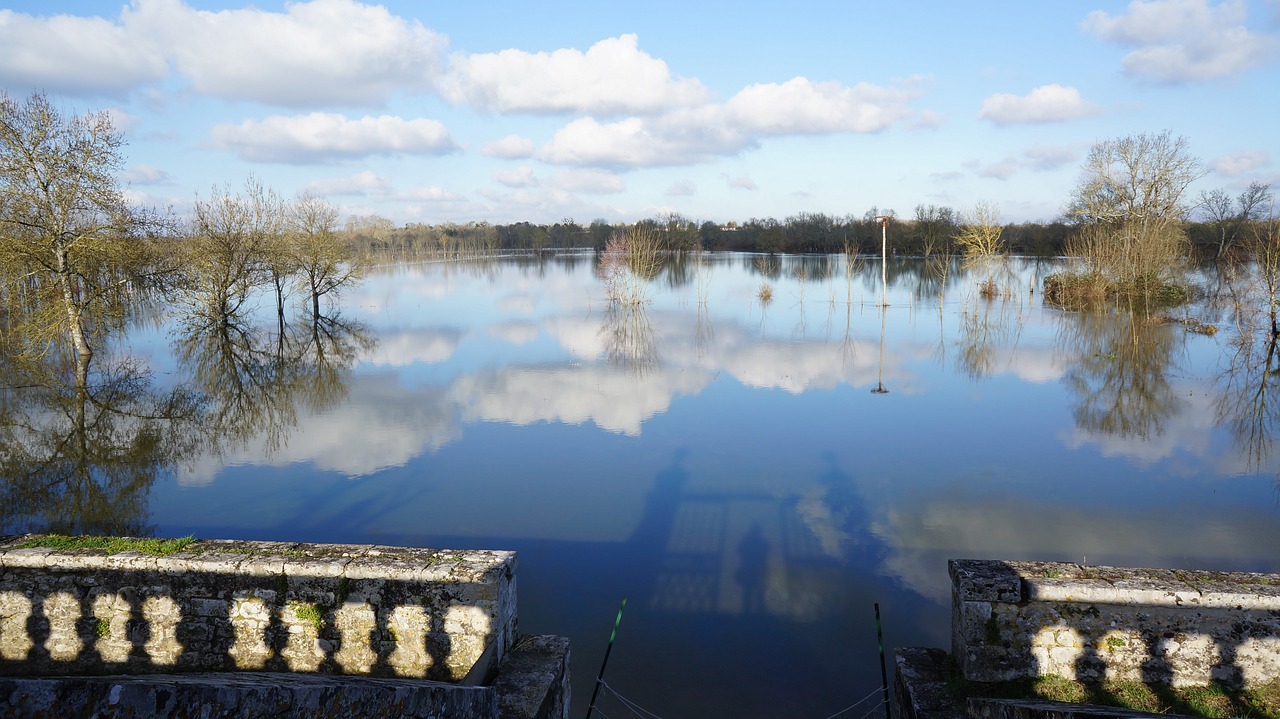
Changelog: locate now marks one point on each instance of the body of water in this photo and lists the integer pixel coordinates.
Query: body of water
(753, 476)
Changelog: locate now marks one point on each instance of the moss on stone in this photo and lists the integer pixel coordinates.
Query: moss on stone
(112, 545)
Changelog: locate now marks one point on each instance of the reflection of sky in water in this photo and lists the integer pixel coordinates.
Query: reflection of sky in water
(727, 466)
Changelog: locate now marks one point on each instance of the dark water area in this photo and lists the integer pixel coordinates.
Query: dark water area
(754, 477)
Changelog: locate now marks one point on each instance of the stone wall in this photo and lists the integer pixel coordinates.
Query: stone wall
(1023, 619)
(257, 606)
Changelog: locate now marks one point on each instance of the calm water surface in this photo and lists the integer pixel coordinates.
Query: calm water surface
(725, 463)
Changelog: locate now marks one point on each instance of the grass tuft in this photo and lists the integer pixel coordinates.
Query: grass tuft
(112, 545)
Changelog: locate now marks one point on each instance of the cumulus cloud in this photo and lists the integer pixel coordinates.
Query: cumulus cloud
(515, 177)
(612, 77)
(313, 54)
(612, 399)
(362, 183)
(741, 183)
(324, 137)
(75, 55)
(1047, 103)
(511, 147)
(1179, 41)
(692, 135)
(1241, 163)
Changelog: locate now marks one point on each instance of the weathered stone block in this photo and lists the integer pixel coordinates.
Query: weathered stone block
(257, 605)
(1171, 626)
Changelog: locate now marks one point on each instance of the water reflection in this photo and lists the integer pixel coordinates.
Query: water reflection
(1118, 372)
(629, 338)
(726, 465)
(988, 332)
(79, 455)
(1248, 405)
(255, 382)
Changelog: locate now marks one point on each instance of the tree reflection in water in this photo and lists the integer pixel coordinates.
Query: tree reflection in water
(1118, 371)
(80, 449)
(629, 339)
(989, 327)
(254, 381)
(1247, 405)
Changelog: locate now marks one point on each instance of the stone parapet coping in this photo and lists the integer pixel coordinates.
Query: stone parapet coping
(1013, 581)
(261, 558)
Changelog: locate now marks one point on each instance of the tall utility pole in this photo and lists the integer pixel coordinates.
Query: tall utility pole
(884, 259)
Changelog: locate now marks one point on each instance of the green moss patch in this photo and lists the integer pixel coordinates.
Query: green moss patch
(112, 545)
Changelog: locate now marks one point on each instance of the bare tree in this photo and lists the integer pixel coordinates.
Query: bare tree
(321, 257)
(1130, 197)
(934, 226)
(69, 240)
(231, 238)
(1231, 219)
(980, 241)
(1264, 246)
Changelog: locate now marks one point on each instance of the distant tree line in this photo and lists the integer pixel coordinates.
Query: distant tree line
(929, 230)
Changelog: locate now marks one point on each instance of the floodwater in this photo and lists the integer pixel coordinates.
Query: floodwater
(753, 477)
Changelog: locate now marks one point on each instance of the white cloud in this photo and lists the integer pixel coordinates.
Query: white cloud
(322, 137)
(688, 136)
(590, 181)
(313, 54)
(741, 183)
(612, 77)
(76, 55)
(516, 177)
(421, 346)
(362, 183)
(612, 399)
(511, 147)
(1184, 40)
(1241, 163)
(803, 107)
(1047, 103)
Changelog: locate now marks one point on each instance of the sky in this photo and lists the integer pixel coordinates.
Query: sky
(508, 110)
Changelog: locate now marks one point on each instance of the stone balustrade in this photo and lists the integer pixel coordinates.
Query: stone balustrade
(1012, 620)
(256, 606)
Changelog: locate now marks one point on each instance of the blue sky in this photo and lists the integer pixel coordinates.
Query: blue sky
(507, 110)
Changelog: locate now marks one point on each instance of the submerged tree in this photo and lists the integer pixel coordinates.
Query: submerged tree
(979, 239)
(71, 246)
(320, 257)
(1129, 209)
(232, 236)
(631, 259)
